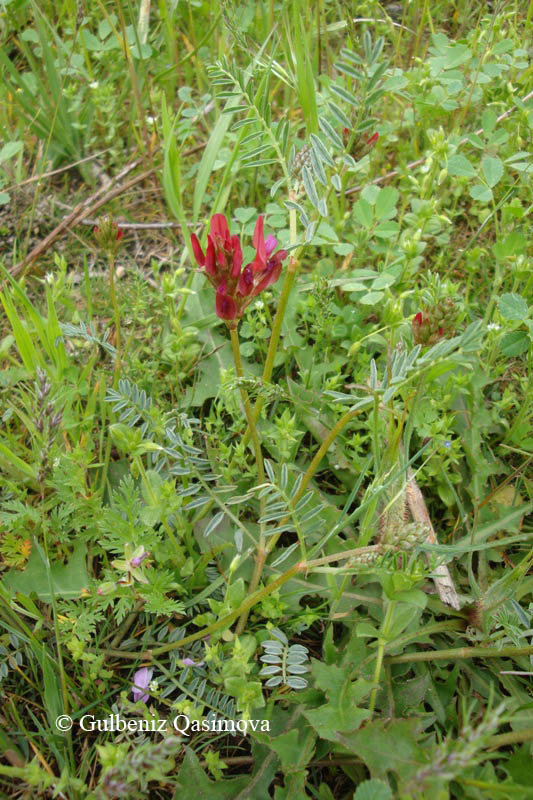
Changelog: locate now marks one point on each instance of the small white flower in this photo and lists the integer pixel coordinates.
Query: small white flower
(94, 85)
(259, 304)
(49, 278)
(154, 686)
(150, 120)
(493, 326)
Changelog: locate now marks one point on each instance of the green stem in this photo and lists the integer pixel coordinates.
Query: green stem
(116, 315)
(463, 652)
(261, 553)
(381, 651)
(278, 319)
(223, 623)
(513, 737)
(140, 466)
(313, 466)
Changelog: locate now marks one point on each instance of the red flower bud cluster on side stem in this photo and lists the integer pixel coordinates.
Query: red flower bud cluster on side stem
(362, 144)
(222, 261)
(108, 234)
(432, 324)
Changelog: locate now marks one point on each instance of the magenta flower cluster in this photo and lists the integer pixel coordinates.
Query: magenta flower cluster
(236, 287)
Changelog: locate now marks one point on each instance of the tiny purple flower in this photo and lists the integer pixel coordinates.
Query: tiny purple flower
(141, 681)
(136, 562)
(188, 662)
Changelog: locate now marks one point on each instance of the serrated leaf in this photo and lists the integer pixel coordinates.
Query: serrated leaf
(513, 306)
(514, 344)
(460, 166)
(362, 211)
(371, 298)
(386, 203)
(481, 193)
(373, 789)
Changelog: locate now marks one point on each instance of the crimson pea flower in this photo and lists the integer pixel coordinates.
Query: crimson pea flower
(222, 261)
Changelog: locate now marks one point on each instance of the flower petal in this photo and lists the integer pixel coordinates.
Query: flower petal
(210, 258)
(270, 276)
(270, 244)
(197, 250)
(225, 305)
(246, 281)
(141, 679)
(219, 226)
(237, 256)
(259, 241)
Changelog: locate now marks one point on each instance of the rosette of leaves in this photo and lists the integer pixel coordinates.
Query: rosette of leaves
(284, 663)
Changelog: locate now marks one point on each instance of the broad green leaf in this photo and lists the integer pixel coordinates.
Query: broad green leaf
(362, 211)
(192, 781)
(68, 580)
(514, 344)
(492, 170)
(389, 745)
(512, 245)
(387, 230)
(383, 281)
(208, 160)
(9, 150)
(489, 121)
(371, 298)
(373, 790)
(341, 714)
(371, 193)
(12, 464)
(513, 306)
(481, 193)
(460, 165)
(386, 203)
